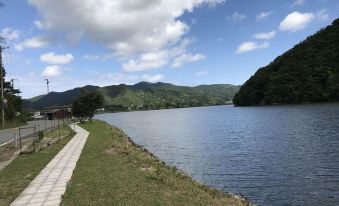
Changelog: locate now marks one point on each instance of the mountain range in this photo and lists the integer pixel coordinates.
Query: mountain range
(143, 95)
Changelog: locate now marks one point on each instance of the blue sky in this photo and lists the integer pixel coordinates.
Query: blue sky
(186, 42)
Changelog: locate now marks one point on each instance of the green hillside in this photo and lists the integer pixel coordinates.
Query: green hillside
(35, 98)
(143, 95)
(307, 73)
(55, 98)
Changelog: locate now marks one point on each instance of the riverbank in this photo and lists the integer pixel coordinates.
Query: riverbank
(112, 170)
(164, 108)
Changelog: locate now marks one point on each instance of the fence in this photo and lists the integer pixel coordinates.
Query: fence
(29, 138)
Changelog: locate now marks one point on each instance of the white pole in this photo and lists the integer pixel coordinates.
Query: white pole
(15, 137)
(2, 91)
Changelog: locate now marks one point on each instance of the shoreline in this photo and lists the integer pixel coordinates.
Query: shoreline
(181, 172)
(114, 170)
(111, 112)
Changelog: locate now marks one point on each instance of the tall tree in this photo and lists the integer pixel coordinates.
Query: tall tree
(12, 101)
(86, 105)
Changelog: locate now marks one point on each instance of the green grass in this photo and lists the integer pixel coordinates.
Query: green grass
(65, 130)
(113, 171)
(19, 173)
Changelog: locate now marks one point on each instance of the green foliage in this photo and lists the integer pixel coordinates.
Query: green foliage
(144, 96)
(307, 73)
(86, 104)
(13, 106)
(40, 135)
(56, 98)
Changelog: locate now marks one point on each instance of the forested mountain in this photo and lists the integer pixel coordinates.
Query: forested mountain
(143, 95)
(307, 73)
(56, 98)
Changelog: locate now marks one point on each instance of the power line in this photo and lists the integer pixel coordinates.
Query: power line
(8, 65)
(11, 67)
(12, 81)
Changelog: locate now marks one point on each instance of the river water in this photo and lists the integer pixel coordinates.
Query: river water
(274, 155)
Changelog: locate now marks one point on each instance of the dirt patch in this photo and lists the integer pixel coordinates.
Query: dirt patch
(116, 151)
(147, 169)
(7, 152)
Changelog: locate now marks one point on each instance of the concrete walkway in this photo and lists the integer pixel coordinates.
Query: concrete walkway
(49, 186)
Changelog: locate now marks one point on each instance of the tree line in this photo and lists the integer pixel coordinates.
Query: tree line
(11, 102)
(307, 73)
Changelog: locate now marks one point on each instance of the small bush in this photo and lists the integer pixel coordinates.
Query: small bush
(40, 136)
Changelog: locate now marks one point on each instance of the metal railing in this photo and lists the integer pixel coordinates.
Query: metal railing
(30, 141)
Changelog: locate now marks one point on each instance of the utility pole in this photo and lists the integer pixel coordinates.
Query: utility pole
(2, 84)
(1, 77)
(2, 91)
(47, 82)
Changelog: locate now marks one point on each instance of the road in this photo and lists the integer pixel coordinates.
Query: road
(7, 135)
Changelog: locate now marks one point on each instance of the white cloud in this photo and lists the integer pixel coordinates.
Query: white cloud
(38, 24)
(28, 61)
(187, 58)
(250, 46)
(10, 34)
(152, 78)
(202, 73)
(127, 27)
(263, 15)
(238, 17)
(33, 85)
(119, 78)
(95, 57)
(296, 21)
(154, 60)
(298, 3)
(51, 71)
(35, 42)
(220, 39)
(265, 35)
(53, 58)
(147, 61)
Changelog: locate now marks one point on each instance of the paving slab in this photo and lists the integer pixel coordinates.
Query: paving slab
(49, 186)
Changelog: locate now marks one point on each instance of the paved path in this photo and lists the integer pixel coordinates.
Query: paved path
(49, 186)
(7, 135)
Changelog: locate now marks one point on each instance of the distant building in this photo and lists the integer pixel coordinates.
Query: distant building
(37, 115)
(57, 114)
(100, 110)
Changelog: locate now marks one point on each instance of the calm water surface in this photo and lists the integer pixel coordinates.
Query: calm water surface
(277, 155)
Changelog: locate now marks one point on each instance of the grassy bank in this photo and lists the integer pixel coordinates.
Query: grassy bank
(113, 171)
(19, 173)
